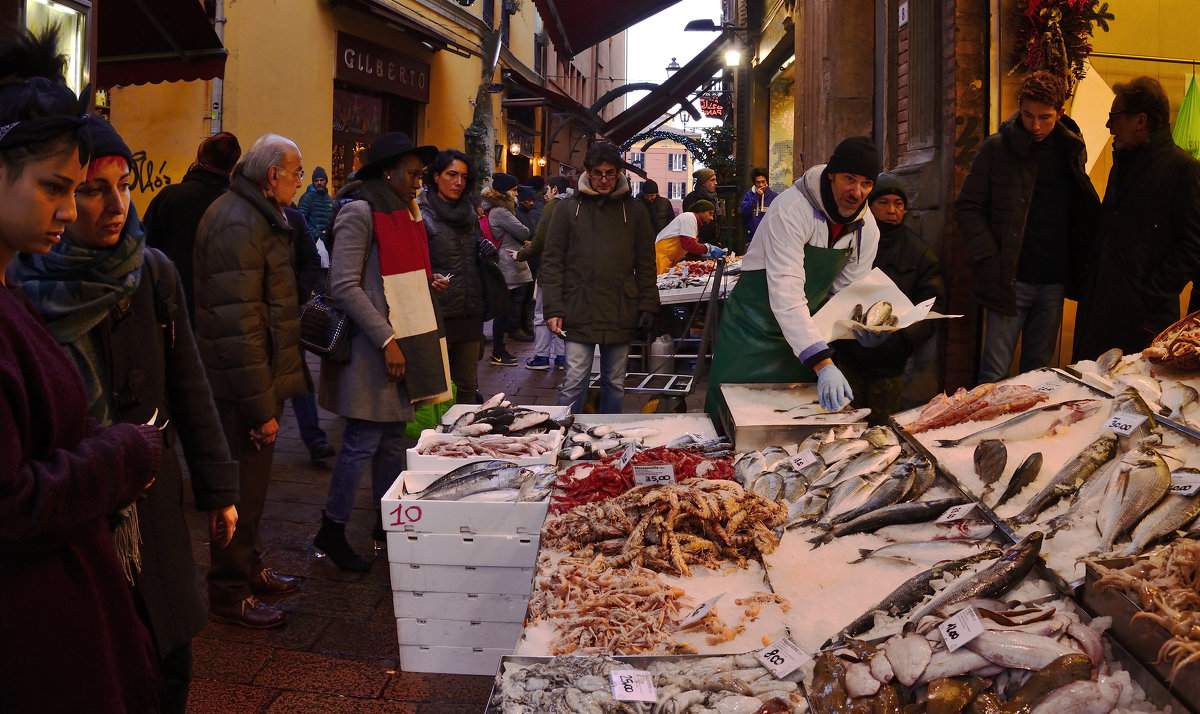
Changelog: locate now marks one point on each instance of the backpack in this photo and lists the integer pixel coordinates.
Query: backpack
(485, 227)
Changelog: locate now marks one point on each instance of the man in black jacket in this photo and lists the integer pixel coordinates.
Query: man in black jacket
(172, 217)
(661, 211)
(876, 374)
(1025, 213)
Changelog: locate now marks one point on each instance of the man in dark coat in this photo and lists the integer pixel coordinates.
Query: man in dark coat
(248, 332)
(1025, 213)
(661, 210)
(598, 278)
(315, 205)
(1149, 234)
(706, 190)
(756, 201)
(876, 374)
(172, 217)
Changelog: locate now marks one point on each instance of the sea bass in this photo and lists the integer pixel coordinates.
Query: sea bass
(1172, 513)
(955, 530)
(1043, 421)
(1131, 494)
(1069, 478)
(994, 580)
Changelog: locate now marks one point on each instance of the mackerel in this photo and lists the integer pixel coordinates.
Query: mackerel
(1071, 476)
(1033, 424)
(889, 515)
(486, 480)
(1131, 494)
(994, 580)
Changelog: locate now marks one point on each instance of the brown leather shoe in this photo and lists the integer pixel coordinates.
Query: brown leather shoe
(268, 582)
(251, 612)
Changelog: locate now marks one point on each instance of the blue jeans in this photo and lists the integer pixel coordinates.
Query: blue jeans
(545, 343)
(380, 442)
(305, 407)
(1037, 322)
(573, 390)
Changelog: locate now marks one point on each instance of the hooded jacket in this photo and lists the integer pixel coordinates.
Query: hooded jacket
(500, 209)
(598, 265)
(796, 219)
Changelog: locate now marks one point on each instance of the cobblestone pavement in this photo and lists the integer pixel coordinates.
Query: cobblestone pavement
(338, 651)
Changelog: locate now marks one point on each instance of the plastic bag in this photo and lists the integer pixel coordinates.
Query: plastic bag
(430, 415)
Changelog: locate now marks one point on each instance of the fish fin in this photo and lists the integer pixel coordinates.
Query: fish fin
(863, 554)
(946, 443)
(821, 540)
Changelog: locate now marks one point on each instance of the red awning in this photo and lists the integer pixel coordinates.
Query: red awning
(149, 41)
(575, 25)
(671, 92)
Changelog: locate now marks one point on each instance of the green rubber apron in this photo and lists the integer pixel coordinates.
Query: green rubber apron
(750, 347)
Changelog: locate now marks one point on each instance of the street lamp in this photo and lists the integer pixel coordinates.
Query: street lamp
(515, 148)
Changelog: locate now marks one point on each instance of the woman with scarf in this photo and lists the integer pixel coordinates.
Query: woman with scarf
(117, 308)
(70, 635)
(455, 250)
(380, 275)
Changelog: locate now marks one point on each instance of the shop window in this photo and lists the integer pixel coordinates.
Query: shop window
(677, 162)
(675, 190)
(71, 19)
(637, 159)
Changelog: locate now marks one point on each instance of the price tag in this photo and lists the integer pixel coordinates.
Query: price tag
(960, 629)
(804, 458)
(630, 452)
(955, 513)
(697, 437)
(653, 474)
(1125, 422)
(782, 657)
(699, 611)
(633, 685)
(1185, 483)
(1048, 387)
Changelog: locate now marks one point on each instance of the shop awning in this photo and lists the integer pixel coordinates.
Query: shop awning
(556, 100)
(671, 92)
(575, 25)
(430, 36)
(149, 41)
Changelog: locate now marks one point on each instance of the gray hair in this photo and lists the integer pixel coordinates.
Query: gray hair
(268, 150)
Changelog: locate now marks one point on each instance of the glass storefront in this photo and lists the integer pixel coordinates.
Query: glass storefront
(72, 19)
(781, 129)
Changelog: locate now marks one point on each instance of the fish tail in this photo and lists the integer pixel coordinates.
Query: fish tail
(863, 554)
(821, 540)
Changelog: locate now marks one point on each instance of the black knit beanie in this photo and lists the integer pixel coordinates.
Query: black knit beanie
(856, 155)
(888, 185)
(104, 139)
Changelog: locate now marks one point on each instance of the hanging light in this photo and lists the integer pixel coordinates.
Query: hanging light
(733, 58)
(541, 161)
(515, 148)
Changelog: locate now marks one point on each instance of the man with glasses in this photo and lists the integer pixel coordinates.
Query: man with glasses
(248, 334)
(1148, 244)
(1026, 213)
(598, 278)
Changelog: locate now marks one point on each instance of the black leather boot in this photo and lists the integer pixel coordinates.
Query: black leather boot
(331, 540)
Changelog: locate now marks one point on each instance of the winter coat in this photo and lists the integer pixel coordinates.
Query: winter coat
(510, 233)
(316, 205)
(661, 212)
(712, 232)
(172, 218)
(1148, 248)
(994, 202)
(598, 265)
(361, 388)
(247, 315)
(754, 207)
(308, 261)
(454, 238)
(913, 267)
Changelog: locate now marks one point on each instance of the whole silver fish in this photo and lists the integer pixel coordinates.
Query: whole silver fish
(1091, 495)
(1176, 398)
(773, 455)
(839, 449)
(1172, 513)
(1025, 474)
(748, 467)
(955, 530)
(807, 508)
(1033, 424)
(850, 494)
(990, 457)
(1131, 494)
(768, 485)
(479, 481)
(889, 515)
(891, 490)
(1130, 401)
(881, 436)
(870, 462)
(1071, 476)
(1108, 361)
(924, 553)
(994, 580)
(924, 476)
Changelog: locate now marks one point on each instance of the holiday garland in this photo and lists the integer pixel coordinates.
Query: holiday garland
(1056, 35)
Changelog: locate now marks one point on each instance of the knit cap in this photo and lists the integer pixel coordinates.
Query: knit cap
(319, 173)
(888, 185)
(503, 183)
(701, 206)
(856, 155)
(104, 139)
(702, 175)
(649, 186)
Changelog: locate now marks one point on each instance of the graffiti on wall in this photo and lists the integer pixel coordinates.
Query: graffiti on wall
(148, 177)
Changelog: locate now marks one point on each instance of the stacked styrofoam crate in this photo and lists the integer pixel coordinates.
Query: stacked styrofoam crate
(461, 575)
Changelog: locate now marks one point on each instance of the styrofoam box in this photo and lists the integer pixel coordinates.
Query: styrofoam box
(461, 578)
(404, 512)
(497, 551)
(451, 660)
(483, 607)
(458, 633)
(421, 462)
(453, 413)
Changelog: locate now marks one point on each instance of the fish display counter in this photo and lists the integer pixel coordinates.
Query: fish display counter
(759, 415)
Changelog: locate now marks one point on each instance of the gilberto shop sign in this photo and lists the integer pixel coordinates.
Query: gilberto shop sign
(377, 67)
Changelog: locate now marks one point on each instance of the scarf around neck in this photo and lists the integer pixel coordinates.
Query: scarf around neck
(458, 215)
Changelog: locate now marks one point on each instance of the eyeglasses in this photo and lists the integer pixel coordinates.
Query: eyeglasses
(298, 173)
(603, 175)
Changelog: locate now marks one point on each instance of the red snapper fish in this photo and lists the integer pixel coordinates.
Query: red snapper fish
(985, 402)
(1044, 421)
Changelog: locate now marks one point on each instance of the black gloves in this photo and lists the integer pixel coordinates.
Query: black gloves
(645, 324)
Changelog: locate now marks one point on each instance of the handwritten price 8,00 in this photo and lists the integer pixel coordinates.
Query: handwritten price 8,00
(774, 657)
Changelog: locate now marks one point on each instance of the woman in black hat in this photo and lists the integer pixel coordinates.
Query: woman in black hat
(380, 275)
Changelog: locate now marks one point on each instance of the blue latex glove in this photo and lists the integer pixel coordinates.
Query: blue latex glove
(715, 251)
(869, 338)
(833, 389)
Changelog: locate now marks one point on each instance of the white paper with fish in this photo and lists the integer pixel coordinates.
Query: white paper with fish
(833, 319)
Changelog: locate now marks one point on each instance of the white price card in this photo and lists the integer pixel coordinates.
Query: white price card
(700, 611)
(696, 437)
(1048, 387)
(804, 458)
(782, 657)
(1185, 483)
(633, 685)
(653, 474)
(630, 452)
(960, 629)
(1124, 423)
(955, 513)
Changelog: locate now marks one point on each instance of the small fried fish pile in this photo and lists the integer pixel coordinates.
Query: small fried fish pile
(493, 445)
(987, 401)
(1167, 586)
(736, 683)
(584, 483)
(698, 521)
(1178, 345)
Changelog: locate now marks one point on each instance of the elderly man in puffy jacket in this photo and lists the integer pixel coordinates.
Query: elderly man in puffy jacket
(248, 333)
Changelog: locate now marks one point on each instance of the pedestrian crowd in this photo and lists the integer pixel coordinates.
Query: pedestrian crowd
(129, 342)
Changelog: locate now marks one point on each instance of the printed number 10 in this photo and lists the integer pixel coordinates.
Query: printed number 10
(412, 513)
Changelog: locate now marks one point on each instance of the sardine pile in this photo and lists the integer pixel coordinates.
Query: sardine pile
(494, 446)
(1167, 587)
(666, 528)
(987, 401)
(731, 684)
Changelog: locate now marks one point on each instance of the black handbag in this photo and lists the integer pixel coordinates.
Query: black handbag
(324, 329)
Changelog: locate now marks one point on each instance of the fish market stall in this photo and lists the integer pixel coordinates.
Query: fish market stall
(759, 415)
(693, 281)
(599, 435)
